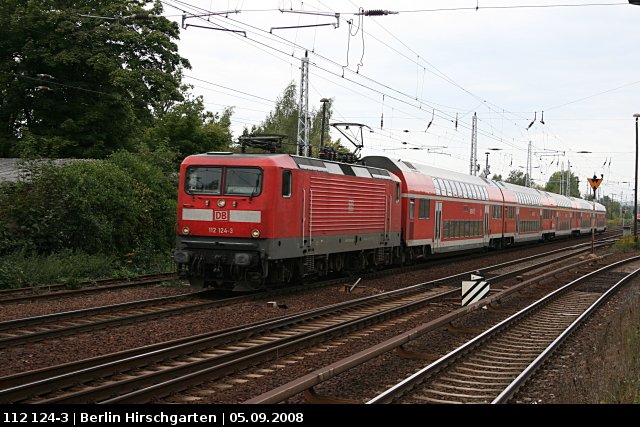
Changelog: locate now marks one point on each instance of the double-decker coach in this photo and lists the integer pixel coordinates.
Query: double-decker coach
(446, 211)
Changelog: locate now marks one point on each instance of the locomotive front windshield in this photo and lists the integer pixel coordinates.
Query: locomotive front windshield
(234, 181)
(242, 181)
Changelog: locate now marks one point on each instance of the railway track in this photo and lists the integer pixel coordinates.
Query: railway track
(43, 292)
(494, 365)
(143, 374)
(55, 325)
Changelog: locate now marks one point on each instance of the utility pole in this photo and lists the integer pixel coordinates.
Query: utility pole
(322, 128)
(486, 168)
(473, 164)
(302, 142)
(529, 165)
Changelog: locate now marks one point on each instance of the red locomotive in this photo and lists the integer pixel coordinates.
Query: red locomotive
(250, 221)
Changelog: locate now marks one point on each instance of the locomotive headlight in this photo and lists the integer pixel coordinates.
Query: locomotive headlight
(181, 257)
(242, 259)
(221, 203)
(255, 233)
(186, 230)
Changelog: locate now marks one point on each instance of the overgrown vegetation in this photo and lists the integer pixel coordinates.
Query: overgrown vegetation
(626, 244)
(88, 219)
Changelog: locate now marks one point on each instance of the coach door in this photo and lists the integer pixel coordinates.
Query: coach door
(437, 232)
(486, 235)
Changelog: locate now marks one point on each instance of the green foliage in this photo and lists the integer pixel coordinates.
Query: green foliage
(626, 244)
(20, 270)
(122, 207)
(189, 129)
(553, 185)
(283, 120)
(613, 208)
(83, 86)
(517, 177)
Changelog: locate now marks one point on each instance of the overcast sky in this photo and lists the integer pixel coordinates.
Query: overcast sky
(507, 61)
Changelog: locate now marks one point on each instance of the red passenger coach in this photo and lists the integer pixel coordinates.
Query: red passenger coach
(446, 211)
(246, 221)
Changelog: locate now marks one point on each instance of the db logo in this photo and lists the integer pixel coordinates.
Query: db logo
(221, 216)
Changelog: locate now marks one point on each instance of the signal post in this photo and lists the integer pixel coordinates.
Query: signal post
(595, 183)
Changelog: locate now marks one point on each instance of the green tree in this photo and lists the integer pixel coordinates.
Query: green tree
(553, 184)
(80, 79)
(188, 129)
(283, 120)
(613, 207)
(517, 177)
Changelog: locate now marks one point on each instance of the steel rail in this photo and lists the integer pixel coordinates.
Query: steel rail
(409, 383)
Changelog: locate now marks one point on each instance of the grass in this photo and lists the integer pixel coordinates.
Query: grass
(607, 370)
(20, 270)
(626, 244)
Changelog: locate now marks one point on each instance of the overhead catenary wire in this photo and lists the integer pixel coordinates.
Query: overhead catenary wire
(370, 85)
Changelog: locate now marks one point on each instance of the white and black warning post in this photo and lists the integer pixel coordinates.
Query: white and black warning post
(474, 290)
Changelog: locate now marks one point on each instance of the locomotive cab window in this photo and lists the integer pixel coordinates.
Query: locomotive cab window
(286, 184)
(242, 182)
(203, 180)
(213, 180)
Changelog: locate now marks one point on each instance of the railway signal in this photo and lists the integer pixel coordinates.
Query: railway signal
(474, 290)
(595, 183)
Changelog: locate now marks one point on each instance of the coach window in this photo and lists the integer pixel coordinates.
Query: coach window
(412, 205)
(397, 192)
(457, 189)
(286, 184)
(424, 206)
(447, 186)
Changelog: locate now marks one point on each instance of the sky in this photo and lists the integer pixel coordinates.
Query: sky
(416, 76)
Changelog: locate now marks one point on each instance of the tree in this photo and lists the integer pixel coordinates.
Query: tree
(553, 185)
(284, 120)
(188, 129)
(79, 79)
(614, 209)
(517, 177)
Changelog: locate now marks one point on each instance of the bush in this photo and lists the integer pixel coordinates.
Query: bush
(626, 244)
(122, 208)
(20, 270)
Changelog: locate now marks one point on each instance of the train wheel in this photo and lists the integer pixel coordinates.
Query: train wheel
(197, 281)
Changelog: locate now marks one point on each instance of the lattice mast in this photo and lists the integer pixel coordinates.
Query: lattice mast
(473, 165)
(529, 167)
(303, 109)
